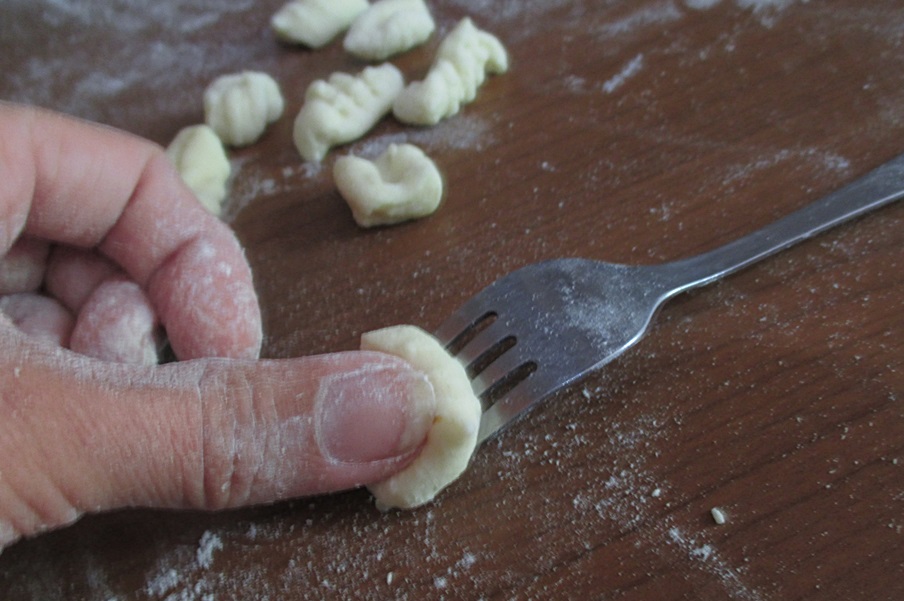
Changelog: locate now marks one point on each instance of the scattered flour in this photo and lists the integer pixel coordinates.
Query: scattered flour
(701, 4)
(135, 16)
(84, 76)
(185, 574)
(508, 10)
(820, 161)
(628, 71)
(656, 14)
(465, 132)
(705, 557)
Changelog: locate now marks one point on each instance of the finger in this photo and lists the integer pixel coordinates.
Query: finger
(117, 324)
(22, 268)
(39, 316)
(115, 319)
(205, 434)
(89, 186)
(73, 274)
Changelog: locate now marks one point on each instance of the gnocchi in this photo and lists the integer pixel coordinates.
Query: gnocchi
(344, 108)
(238, 107)
(400, 184)
(201, 160)
(452, 438)
(315, 23)
(462, 62)
(389, 27)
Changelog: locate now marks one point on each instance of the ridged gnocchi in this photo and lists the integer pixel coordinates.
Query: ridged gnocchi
(462, 62)
(315, 23)
(389, 27)
(344, 108)
(238, 107)
(201, 160)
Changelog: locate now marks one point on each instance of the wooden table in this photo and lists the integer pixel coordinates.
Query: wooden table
(629, 131)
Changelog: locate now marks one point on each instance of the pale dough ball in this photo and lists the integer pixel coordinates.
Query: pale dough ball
(343, 108)
(389, 27)
(463, 60)
(240, 106)
(315, 23)
(452, 438)
(201, 160)
(400, 184)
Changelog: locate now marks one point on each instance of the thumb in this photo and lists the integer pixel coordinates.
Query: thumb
(78, 435)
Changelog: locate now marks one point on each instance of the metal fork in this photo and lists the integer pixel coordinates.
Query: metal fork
(543, 327)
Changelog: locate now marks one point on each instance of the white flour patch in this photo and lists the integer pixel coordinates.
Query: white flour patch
(506, 10)
(705, 557)
(624, 490)
(77, 74)
(208, 545)
(701, 4)
(459, 133)
(185, 574)
(630, 69)
(658, 14)
(766, 10)
(136, 16)
(251, 181)
(820, 161)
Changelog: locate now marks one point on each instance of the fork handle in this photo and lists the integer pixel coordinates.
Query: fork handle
(883, 185)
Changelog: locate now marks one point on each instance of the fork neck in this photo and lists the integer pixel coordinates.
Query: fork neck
(879, 187)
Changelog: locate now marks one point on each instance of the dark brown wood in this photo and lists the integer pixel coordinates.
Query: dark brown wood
(628, 131)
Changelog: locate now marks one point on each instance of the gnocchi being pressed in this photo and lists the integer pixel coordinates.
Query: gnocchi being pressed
(344, 108)
(389, 27)
(452, 438)
(462, 62)
(315, 23)
(240, 106)
(400, 184)
(201, 160)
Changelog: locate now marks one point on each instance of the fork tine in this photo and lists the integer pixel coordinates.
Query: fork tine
(476, 309)
(455, 325)
(488, 340)
(503, 412)
(497, 371)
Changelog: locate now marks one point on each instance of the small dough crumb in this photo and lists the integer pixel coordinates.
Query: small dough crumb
(462, 62)
(400, 184)
(719, 516)
(344, 108)
(453, 436)
(201, 160)
(315, 23)
(389, 27)
(239, 107)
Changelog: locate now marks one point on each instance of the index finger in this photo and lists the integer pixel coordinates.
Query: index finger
(90, 186)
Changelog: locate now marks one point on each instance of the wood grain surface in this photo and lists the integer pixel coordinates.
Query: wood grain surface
(628, 131)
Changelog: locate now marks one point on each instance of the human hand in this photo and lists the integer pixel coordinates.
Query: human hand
(100, 223)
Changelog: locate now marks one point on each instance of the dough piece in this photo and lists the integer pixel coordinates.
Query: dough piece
(240, 106)
(453, 436)
(400, 184)
(462, 62)
(201, 160)
(389, 27)
(315, 23)
(344, 108)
